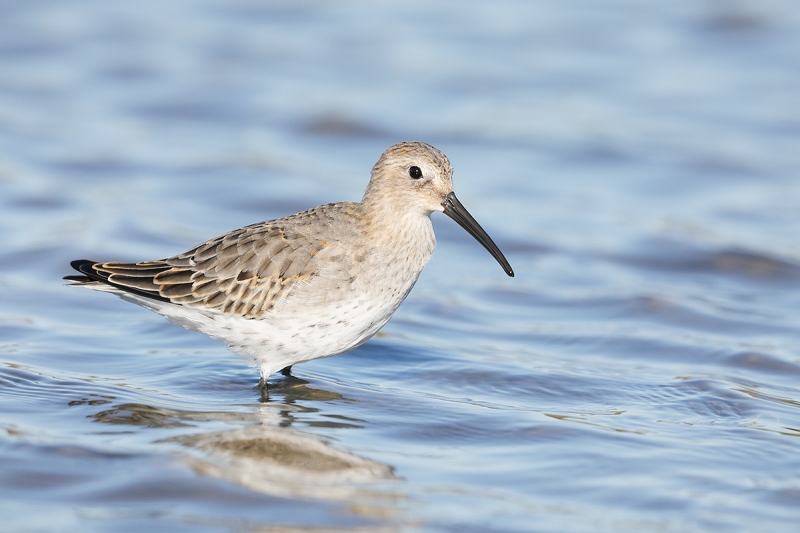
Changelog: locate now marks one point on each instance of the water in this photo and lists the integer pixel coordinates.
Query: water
(637, 162)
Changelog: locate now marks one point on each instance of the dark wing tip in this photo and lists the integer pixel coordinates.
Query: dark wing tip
(78, 279)
(76, 264)
(86, 267)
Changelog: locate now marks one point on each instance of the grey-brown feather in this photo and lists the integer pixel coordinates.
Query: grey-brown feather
(243, 273)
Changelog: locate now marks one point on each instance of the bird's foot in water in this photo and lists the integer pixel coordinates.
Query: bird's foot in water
(286, 371)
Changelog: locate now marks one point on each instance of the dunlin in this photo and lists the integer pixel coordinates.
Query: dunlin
(311, 285)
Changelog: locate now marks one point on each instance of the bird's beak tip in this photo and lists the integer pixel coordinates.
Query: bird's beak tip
(453, 208)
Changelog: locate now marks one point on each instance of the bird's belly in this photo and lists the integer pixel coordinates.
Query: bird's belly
(336, 311)
(303, 334)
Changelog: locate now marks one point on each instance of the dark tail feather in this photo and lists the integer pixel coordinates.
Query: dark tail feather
(84, 266)
(90, 274)
(77, 279)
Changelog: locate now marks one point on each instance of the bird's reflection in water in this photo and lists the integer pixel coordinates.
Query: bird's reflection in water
(291, 389)
(287, 463)
(265, 454)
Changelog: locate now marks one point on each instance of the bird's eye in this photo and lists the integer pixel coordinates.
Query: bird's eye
(415, 173)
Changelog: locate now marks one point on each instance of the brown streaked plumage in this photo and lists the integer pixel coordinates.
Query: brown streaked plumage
(310, 285)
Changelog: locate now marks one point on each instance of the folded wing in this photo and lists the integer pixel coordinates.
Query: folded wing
(243, 273)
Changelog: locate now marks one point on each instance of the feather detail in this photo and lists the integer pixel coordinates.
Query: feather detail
(243, 273)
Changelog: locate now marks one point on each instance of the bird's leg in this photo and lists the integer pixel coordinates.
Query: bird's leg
(262, 383)
(264, 394)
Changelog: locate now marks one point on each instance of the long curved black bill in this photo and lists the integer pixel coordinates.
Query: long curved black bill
(459, 213)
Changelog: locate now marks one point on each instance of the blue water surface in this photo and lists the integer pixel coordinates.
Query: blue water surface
(638, 163)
